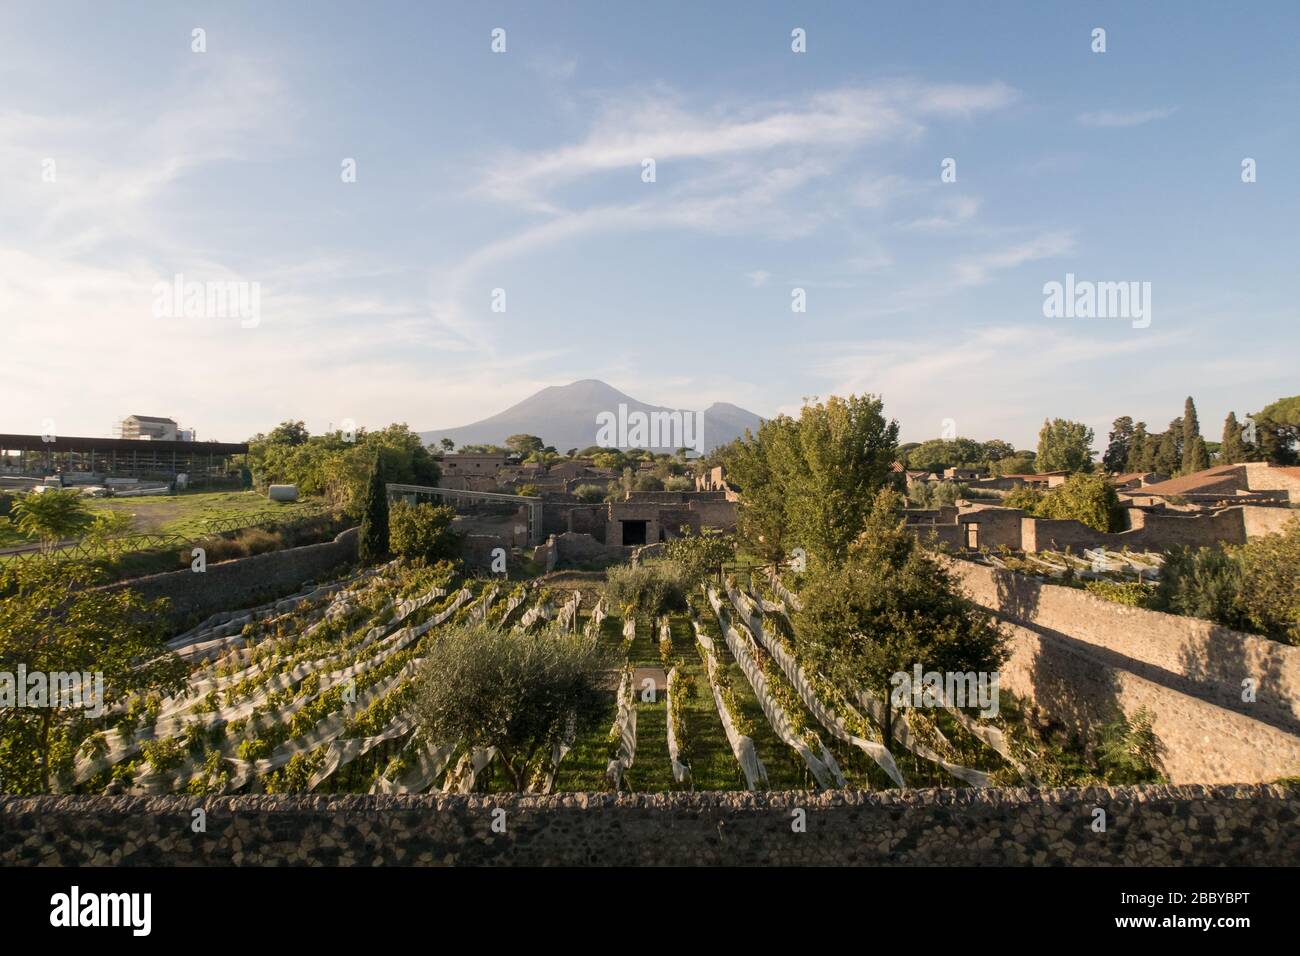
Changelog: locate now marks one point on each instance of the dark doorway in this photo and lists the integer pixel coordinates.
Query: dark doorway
(633, 533)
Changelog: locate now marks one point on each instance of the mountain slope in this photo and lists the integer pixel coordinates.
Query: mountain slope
(566, 416)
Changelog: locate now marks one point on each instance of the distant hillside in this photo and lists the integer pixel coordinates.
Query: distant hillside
(566, 416)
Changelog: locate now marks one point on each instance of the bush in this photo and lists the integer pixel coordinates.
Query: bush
(678, 483)
(651, 588)
(648, 483)
(1270, 587)
(1204, 583)
(1128, 752)
(591, 492)
(422, 531)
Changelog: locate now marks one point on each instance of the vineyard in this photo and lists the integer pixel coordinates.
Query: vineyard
(314, 694)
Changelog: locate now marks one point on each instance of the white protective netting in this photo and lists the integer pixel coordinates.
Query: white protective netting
(824, 714)
(822, 766)
(117, 746)
(625, 728)
(681, 772)
(742, 745)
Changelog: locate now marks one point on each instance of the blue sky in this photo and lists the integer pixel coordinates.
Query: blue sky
(522, 171)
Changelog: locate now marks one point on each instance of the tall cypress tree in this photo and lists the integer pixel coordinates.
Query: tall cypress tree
(372, 546)
(1191, 431)
(1166, 459)
(1196, 457)
(1233, 449)
(1139, 455)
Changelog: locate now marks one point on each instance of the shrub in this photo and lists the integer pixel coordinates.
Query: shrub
(1204, 583)
(648, 483)
(1270, 586)
(1131, 593)
(651, 588)
(590, 492)
(1128, 752)
(678, 483)
(422, 531)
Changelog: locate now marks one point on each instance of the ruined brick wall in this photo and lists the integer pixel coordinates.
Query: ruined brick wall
(1153, 826)
(1155, 532)
(243, 582)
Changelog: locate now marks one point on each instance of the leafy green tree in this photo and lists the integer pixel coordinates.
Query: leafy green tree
(51, 516)
(590, 492)
(1021, 463)
(289, 433)
(422, 530)
(524, 445)
(1277, 429)
(1064, 446)
(1025, 497)
(372, 546)
(447, 445)
(756, 467)
(701, 556)
(1119, 444)
(1191, 432)
(810, 482)
(678, 483)
(889, 606)
(650, 589)
(1232, 450)
(1089, 499)
(519, 693)
(55, 619)
(845, 452)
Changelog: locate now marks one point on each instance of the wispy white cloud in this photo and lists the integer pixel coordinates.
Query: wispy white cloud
(1110, 119)
(980, 268)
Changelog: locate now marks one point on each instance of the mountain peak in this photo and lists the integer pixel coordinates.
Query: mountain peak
(567, 416)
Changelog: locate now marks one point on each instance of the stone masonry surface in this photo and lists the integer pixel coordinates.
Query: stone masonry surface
(1149, 825)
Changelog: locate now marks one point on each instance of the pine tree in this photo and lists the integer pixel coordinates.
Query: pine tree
(1120, 442)
(1191, 431)
(1139, 453)
(1233, 449)
(372, 546)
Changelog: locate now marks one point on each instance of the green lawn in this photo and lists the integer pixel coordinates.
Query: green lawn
(187, 514)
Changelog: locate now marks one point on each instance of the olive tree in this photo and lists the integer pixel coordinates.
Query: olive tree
(520, 693)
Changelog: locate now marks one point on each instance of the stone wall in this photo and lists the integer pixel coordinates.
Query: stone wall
(1152, 826)
(1200, 741)
(243, 582)
(1081, 657)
